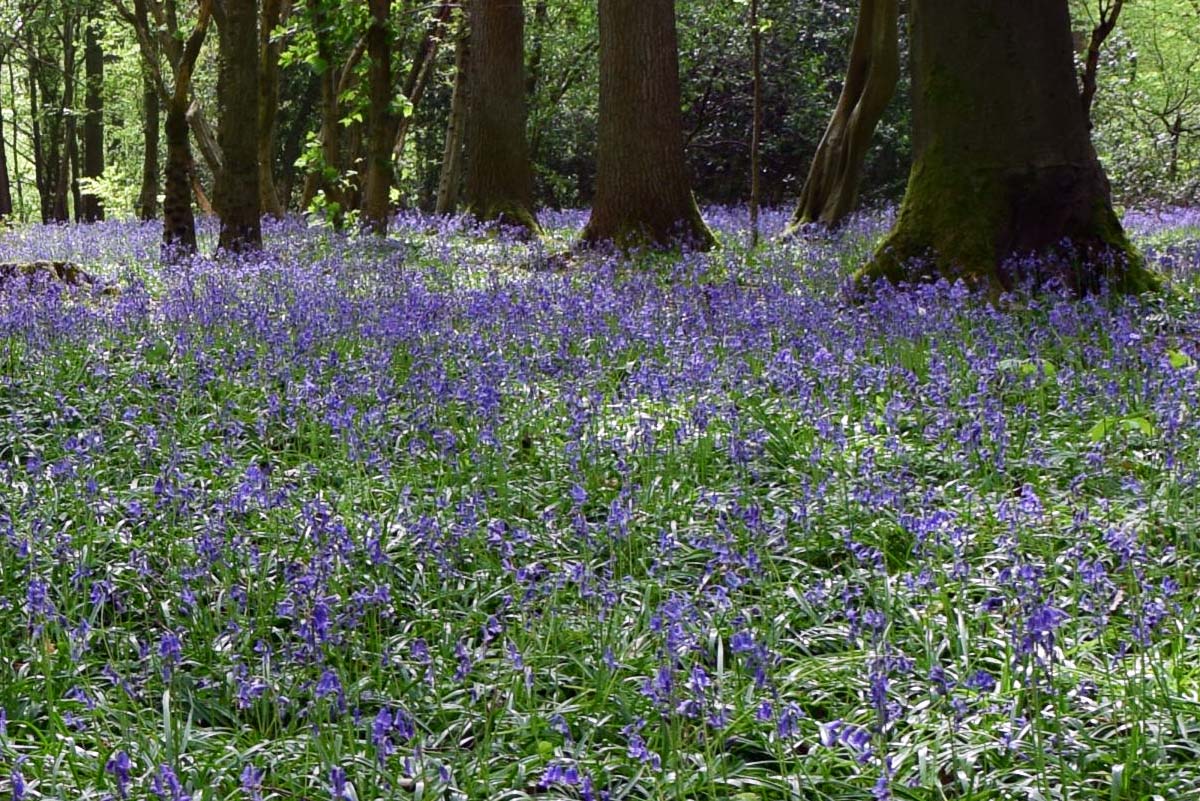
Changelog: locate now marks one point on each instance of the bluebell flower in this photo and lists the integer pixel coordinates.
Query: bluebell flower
(981, 681)
(166, 785)
(251, 782)
(19, 788)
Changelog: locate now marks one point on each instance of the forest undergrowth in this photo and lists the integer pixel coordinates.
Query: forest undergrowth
(410, 520)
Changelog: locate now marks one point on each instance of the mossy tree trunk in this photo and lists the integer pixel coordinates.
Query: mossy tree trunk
(642, 192)
(237, 190)
(1003, 163)
(830, 192)
(499, 173)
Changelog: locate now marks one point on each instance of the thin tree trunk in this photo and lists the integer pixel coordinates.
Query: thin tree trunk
(499, 173)
(642, 191)
(830, 193)
(207, 141)
(151, 126)
(293, 145)
(274, 13)
(179, 222)
(6, 202)
(533, 74)
(380, 123)
(334, 82)
(1110, 11)
(1003, 164)
(64, 142)
(756, 124)
(92, 209)
(420, 74)
(450, 179)
(41, 169)
(237, 189)
(12, 86)
(75, 171)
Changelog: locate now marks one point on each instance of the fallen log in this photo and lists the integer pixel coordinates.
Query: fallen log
(64, 271)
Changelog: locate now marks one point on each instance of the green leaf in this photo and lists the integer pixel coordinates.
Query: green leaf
(1179, 360)
(1136, 423)
(1140, 424)
(1028, 367)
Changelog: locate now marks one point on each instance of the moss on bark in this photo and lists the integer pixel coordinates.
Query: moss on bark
(1005, 186)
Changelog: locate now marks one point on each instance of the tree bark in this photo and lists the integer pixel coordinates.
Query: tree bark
(541, 22)
(450, 179)
(6, 203)
(12, 92)
(499, 173)
(274, 12)
(151, 126)
(756, 122)
(642, 191)
(419, 75)
(41, 169)
(380, 122)
(830, 193)
(1003, 164)
(237, 189)
(64, 139)
(92, 210)
(1110, 11)
(327, 176)
(179, 221)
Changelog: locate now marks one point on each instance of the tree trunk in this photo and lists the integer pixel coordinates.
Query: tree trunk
(207, 142)
(273, 13)
(237, 190)
(12, 92)
(179, 222)
(148, 196)
(380, 123)
(64, 139)
(642, 191)
(74, 172)
(830, 193)
(756, 122)
(327, 176)
(541, 23)
(293, 144)
(6, 203)
(499, 173)
(93, 124)
(317, 179)
(1003, 164)
(1109, 13)
(450, 179)
(419, 75)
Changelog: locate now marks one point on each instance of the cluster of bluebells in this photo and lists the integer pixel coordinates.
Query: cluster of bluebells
(381, 518)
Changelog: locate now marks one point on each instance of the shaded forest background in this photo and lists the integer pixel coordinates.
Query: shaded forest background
(73, 75)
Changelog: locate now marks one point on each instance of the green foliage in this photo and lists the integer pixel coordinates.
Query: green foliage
(1147, 111)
